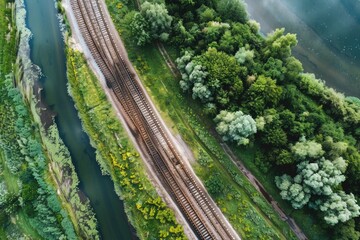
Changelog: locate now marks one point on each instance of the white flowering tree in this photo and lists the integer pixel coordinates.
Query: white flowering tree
(307, 149)
(340, 207)
(235, 126)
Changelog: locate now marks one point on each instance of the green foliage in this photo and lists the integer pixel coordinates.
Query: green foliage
(274, 135)
(156, 15)
(31, 201)
(274, 69)
(346, 231)
(214, 184)
(233, 10)
(287, 105)
(223, 80)
(138, 27)
(307, 149)
(320, 178)
(339, 207)
(243, 55)
(292, 191)
(206, 14)
(284, 157)
(264, 93)
(3, 193)
(193, 77)
(293, 69)
(25, 144)
(235, 126)
(279, 45)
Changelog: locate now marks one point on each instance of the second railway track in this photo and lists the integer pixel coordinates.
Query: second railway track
(201, 213)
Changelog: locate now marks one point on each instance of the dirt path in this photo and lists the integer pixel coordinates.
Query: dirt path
(168, 60)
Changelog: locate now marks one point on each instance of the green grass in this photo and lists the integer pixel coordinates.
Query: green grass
(10, 179)
(24, 225)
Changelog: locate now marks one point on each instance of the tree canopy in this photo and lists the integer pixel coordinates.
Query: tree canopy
(235, 126)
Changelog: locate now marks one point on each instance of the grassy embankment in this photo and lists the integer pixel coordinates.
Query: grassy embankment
(248, 212)
(117, 157)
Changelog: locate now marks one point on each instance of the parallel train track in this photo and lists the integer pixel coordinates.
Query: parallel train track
(178, 180)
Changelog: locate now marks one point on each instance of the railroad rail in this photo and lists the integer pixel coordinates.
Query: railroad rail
(191, 198)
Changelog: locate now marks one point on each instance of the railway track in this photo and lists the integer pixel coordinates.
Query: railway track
(201, 213)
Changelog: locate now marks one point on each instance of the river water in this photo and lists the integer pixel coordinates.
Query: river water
(47, 51)
(328, 32)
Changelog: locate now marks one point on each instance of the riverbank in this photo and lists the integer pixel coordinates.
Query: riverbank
(30, 207)
(60, 167)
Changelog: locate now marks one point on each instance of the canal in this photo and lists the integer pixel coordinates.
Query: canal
(328, 32)
(47, 51)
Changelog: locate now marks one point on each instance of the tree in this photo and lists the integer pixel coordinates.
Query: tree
(214, 184)
(352, 173)
(307, 149)
(284, 157)
(318, 179)
(346, 231)
(321, 176)
(293, 69)
(340, 207)
(279, 45)
(243, 55)
(233, 10)
(262, 94)
(202, 92)
(156, 15)
(185, 66)
(227, 42)
(223, 79)
(182, 35)
(139, 29)
(274, 69)
(292, 191)
(235, 126)
(3, 193)
(193, 77)
(273, 135)
(206, 14)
